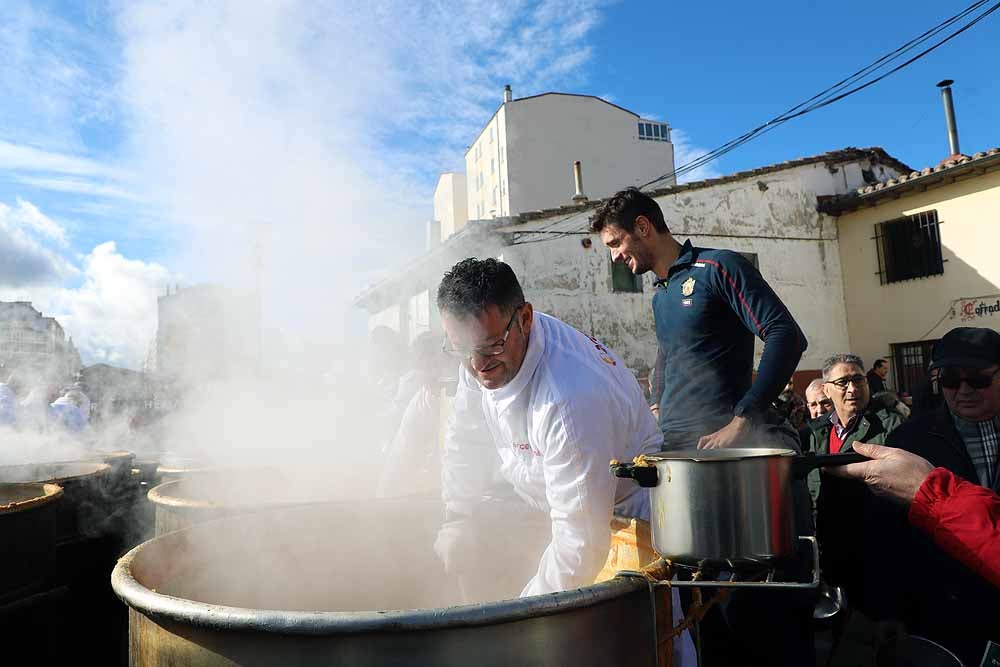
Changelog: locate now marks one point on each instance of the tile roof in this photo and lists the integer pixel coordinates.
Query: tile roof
(874, 153)
(949, 168)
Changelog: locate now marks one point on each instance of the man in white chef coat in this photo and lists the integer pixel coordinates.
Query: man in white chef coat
(544, 408)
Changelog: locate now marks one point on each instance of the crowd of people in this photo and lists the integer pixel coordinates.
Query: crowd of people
(910, 535)
(913, 535)
(42, 407)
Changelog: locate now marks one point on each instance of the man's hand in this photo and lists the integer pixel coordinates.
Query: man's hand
(733, 434)
(893, 473)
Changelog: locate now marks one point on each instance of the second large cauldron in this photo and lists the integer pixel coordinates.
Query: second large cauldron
(214, 493)
(355, 584)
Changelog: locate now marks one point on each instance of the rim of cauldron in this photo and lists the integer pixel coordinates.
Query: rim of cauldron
(44, 493)
(159, 606)
(163, 494)
(80, 470)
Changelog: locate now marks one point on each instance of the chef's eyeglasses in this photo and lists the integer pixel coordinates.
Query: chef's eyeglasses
(858, 381)
(494, 350)
(953, 379)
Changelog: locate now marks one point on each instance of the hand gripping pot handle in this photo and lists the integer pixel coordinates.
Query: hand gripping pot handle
(810, 461)
(644, 475)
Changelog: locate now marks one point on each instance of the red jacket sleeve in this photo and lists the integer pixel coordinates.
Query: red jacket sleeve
(963, 519)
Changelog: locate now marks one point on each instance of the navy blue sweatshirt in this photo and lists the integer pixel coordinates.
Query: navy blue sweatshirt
(707, 313)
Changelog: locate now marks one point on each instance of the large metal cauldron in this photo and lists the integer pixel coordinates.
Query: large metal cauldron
(27, 536)
(354, 584)
(84, 508)
(211, 494)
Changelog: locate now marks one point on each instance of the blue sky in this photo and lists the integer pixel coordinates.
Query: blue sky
(145, 143)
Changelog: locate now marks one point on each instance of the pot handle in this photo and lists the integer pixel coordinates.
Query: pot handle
(644, 476)
(810, 461)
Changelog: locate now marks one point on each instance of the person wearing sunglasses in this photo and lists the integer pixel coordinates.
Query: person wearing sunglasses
(959, 608)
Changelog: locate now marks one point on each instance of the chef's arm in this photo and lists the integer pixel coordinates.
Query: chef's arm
(580, 493)
(470, 459)
(763, 313)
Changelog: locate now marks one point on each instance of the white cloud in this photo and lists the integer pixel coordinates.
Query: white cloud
(326, 121)
(112, 314)
(19, 157)
(28, 215)
(26, 255)
(686, 151)
(322, 123)
(77, 186)
(111, 310)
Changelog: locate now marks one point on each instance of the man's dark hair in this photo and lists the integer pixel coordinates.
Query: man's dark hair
(623, 208)
(851, 359)
(879, 363)
(473, 284)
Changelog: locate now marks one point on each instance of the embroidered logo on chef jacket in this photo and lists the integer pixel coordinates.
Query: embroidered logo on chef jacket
(524, 447)
(603, 351)
(687, 287)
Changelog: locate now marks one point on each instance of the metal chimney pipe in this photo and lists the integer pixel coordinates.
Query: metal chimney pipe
(508, 94)
(949, 115)
(579, 197)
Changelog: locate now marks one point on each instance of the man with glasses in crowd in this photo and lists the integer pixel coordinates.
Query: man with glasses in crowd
(934, 595)
(839, 502)
(547, 407)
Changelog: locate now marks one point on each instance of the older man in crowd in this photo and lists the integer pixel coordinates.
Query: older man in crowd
(839, 503)
(817, 402)
(818, 405)
(929, 591)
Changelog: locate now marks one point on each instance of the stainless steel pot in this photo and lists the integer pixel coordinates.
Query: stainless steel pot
(724, 506)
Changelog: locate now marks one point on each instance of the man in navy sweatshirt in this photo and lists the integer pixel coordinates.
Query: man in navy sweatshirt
(708, 307)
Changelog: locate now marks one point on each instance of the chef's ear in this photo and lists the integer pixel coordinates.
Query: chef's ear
(642, 226)
(526, 317)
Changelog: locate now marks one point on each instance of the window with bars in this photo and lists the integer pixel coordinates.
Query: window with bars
(909, 247)
(909, 363)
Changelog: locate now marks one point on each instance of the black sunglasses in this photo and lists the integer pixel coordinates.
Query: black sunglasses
(954, 379)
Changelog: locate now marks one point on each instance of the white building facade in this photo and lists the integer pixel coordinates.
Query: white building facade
(206, 331)
(450, 203)
(771, 214)
(34, 347)
(522, 160)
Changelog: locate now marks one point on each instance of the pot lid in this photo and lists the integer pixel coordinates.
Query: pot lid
(717, 455)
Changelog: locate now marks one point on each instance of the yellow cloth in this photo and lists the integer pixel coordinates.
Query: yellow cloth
(631, 547)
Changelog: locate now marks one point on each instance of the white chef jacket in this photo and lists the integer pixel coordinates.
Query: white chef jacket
(550, 432)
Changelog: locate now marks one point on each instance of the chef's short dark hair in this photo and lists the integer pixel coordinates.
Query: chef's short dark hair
(472, 285)
(623, 207)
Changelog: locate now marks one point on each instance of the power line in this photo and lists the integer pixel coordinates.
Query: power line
(837, 91)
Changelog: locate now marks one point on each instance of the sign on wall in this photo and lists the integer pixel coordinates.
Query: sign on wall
(970, 310)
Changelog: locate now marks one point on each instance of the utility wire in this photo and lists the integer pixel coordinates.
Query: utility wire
(837, 91)
(824, 98)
